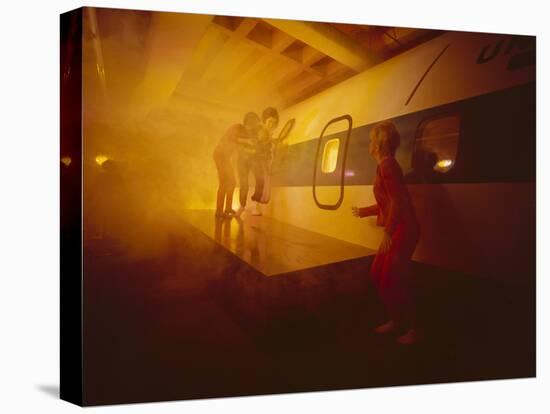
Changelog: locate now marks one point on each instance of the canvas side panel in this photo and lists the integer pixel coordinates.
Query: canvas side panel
(71, 206)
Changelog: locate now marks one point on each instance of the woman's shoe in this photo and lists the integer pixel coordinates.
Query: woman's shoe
(408, 338)
(385, 328)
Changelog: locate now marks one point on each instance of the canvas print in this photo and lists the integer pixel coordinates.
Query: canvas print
(258, 206)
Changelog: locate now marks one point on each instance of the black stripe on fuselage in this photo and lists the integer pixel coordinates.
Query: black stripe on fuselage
(497, 143)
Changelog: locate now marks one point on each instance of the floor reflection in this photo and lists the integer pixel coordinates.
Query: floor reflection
(273, 247)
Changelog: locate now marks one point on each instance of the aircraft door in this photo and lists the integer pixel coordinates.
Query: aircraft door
(330, 163)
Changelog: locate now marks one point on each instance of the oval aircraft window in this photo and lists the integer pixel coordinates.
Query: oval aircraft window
(436, 146)
(286, 129)
(281, 148)
(330, 156)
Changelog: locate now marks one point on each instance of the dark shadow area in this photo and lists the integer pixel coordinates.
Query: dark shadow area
(191, 320)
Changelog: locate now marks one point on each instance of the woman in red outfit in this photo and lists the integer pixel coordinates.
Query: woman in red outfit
(395, 212)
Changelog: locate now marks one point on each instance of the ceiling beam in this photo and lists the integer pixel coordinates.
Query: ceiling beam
(311, 55)
(213, 68)
(335, 77)
(280, 42)
(172, 39)
(330, 41)
(294, 88)
(271, 78)
(207, 49)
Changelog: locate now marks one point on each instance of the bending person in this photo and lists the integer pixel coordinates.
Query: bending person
(223, 154)
(395, 212)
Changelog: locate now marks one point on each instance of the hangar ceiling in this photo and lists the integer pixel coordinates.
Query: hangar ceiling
(283, 61)
(224, 65)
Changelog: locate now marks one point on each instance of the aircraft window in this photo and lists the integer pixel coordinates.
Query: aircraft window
(436, 145)
(330, 155)
(286, 129)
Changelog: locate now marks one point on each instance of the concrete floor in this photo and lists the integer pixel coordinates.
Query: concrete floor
(178, 316)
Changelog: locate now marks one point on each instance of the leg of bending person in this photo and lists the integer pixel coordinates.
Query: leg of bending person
(243, 169)
(220, 195)
(230, 183)
(266, 195)
(229, 201)
(258, 171)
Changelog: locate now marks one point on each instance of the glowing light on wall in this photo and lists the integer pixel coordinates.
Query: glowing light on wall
(330, 155)
(443, 165)
(100, 159)
(349, 174)
(67, 161)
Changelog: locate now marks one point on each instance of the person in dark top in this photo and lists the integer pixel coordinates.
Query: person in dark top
(239, 139)
(395, 212)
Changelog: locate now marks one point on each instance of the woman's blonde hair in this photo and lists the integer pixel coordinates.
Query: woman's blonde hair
(387, 138)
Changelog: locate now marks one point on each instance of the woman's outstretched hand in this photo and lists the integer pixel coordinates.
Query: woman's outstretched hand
(386, 243)
(355, 211)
